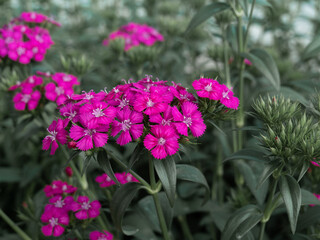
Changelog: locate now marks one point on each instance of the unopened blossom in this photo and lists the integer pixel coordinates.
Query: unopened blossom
(162, 141)
(189, 118)
(85, 209)
(96, 235)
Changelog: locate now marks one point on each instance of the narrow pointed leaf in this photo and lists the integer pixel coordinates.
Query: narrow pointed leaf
(167, 173)
(135, 156)
(308, 198)
(308, 218)
(291, 195)
(85, 164)
(267, 172)
(264, 62)
(121, 201)
(312, 49)
(303, 170)
(248, 154)
(193, 174)
(205, 13)
(104, 162)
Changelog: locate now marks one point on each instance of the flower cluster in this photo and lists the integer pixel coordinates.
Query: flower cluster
(61, 204)
(105, 181)
(22, 43)
(212, 89)
(56, 87)
(152, 112)
(135, 34)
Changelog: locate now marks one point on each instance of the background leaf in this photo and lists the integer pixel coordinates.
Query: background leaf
(104, 163)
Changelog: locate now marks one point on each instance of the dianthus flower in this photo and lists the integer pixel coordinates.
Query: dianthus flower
(129, 124)
(70, 112)
(96, 235)
(124, 178)
(190, 118)
(162, 141)
(61, 204)
(56, 133)
(55, 219)
(85, 209)
(207, 88)
(27, 97)
(135, 34)
(58, 187)
(227, 98)
(57, 93)
(104, 180)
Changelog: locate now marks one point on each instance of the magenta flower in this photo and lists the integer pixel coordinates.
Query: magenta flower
(166, 119)
(55, 219)
(182, 94)
(129, 124)
(227, 98)
(96, 235)
(27, 97)
(86, 209)
(86, 136)
(190, 118)
(162, 142)
(207, 88)
(97, 113)
(58, 187)
(56, 133)
(89, 97)
(65, 80)
(61, 204)
(104, 181)
(124, 177)
(33, 17)
(70, 112)
(57, 93)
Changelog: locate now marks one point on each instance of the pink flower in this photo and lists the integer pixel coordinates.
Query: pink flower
(207, 88)
(104, 180)
(33, 17)
(61, 204)
(181, 93)
(97, 113)
(55, 219)
(247, 62)
(57, 93)
(26, 98)
(162, 142)
(86, 209)
(314, 163)
(65, 80)
(89, 97)
(130, 125)
(190, 118)
(227, 98)
(58, 187)
(89, 135)
(165, 120)
(70, 112)
(95, 235)
(56, 133)
(124, 177)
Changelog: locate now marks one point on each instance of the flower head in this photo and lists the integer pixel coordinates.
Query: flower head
(96, 235)
(85, 209)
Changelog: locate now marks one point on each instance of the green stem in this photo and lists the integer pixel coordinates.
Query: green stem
(185, 228)
(271, 204)
(137, 176)
(226, 58)
(155, 196)
(18, 230)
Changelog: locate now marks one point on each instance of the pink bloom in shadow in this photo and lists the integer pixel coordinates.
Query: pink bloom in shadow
(85, 209)
(96, 235)
(27, 97)
(56, 219)
(56, 133)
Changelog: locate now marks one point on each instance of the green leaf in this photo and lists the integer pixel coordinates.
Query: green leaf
(312, 49)
(308, 198)
(262, 3)
(121, 201)
(217, 127)
(300, 236)
(291, 195)
(267, 172)
(135, 156)
(149, 209)
(86, 162)
(308, 218)
(205, 13)
(193, 174)
(251, 177)
(241, 222)
(304, 169)
(248, 153)
(104, 162)
(167, 173)
(8, 174)
(264, 62)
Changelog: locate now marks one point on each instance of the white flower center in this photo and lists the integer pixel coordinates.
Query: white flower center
(64, 188)
(108, 179)
(129, 178)
(89, 132)
(161, 141)
(35, 50)
(98, 112)
(52, 136)
(33, 16)
(23, 29)
(116, 90)
(59, 90)
(187, 121)
(165, 122)
(85, 205)
(124, 102)
(53, 221)
(70, 114)
(225, 94)
(54, 186)
(26, 98)
(184, 97)
(208, 88)
(21, 50)
(31, 80)
(59, 203)
(126, 125)
(88, 96)
(39, 39)
(150, 103)
(9, 40)
(102, 238)
(66, 78)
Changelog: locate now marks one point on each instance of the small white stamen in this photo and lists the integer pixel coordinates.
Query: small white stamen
(161, 141)
(126, 125)
(187, 121)
(98, 112)
(85, 205)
